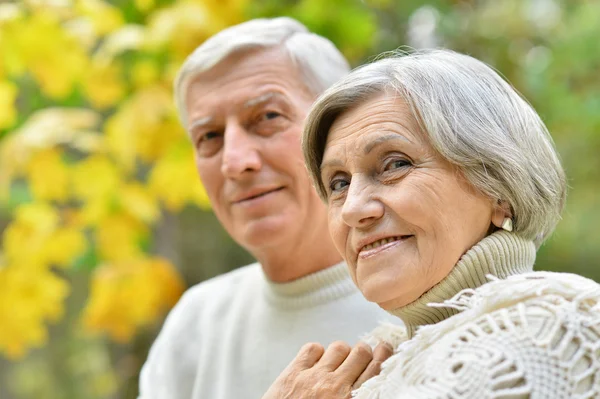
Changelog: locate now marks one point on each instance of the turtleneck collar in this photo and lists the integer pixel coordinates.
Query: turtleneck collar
(500, 254)
(320, 287)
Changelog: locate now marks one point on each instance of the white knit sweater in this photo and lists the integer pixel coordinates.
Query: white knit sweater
(231, 336)
(521, 335)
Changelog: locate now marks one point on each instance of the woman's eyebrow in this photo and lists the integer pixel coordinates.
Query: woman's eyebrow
(379, 140)
(330, 163)
(368, 148)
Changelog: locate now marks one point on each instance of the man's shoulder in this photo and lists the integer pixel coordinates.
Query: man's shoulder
(193, 307)
(223, 286)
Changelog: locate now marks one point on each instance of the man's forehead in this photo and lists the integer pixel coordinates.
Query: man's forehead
(254, 101)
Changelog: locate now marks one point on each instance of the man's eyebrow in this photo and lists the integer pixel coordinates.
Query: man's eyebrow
(200, 123)
(261, 99)
(394, 136)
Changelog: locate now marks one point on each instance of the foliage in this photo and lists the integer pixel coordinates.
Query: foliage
(91, 152)
(94, 163)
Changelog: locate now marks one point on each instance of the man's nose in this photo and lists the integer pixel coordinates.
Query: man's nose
(241, 152)
(361, 207)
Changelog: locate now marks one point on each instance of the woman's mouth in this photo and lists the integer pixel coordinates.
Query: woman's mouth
(381, 245)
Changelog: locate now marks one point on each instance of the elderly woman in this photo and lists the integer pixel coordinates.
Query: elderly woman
(441, 183)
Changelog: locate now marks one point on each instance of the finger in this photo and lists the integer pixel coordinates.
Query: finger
(354, 365)
(335, 354)
(307, 356)
(381, 353)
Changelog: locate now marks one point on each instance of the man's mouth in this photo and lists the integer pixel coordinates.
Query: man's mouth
(259, 195)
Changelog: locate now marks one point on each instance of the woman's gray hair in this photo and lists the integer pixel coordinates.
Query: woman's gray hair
(317, 59)
(472, 118)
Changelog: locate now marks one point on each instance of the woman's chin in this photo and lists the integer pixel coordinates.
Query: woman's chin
(394, 303)
(383, 294)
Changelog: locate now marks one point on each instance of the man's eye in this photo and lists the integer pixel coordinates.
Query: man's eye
(209, 143)
(208, 136)
(271, 115)
(396, 164)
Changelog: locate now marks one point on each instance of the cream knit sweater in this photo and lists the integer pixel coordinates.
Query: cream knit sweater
(521, 335)
(231, 336)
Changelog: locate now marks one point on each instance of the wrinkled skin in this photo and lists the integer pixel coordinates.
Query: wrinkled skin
(334, 373)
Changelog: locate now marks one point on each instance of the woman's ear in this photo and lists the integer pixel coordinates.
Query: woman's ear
(500, 215)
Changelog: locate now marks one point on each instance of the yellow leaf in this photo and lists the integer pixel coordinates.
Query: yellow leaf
(24, 239)
(10, 11)
(18, 236)
(158, 138)
(95, 178)
(8, 111)
(144, 5)
(144, 73)
(47, 175)
(39, 216)
(27, 302)
(41, 45)
(126, 296)
(105, 17)
(128, 37)
(182, 27)
(137, 201)
(120, 131)
(200, 197)
(118, 237)
(231, 12)
(64, 246)
(56, 126)
(143, 126)
(174, 179)
(92, 212)
(103, 85)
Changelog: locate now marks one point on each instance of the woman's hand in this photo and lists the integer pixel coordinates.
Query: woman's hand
(317, 373)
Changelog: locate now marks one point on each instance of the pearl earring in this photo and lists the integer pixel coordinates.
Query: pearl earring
(507, 224)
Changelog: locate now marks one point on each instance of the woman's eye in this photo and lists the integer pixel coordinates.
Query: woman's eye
(337, 185)
(396, 164)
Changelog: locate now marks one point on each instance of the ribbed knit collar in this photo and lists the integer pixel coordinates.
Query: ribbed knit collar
(316, 288)
(500, 254)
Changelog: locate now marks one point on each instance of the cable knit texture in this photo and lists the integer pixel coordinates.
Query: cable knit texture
(521, 335)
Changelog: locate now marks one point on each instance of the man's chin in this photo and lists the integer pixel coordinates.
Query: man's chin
(265, 232)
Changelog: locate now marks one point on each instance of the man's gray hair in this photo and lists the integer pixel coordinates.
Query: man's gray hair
(319, 62)
(472, 118)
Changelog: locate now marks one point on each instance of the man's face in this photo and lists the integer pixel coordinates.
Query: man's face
(245, 120)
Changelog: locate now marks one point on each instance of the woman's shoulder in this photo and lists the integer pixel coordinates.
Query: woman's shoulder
(559, 288)
(529, 300)
(536, 333)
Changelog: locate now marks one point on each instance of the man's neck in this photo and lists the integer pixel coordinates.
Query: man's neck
(287, 264)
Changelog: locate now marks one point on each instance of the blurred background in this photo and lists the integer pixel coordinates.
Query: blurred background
(103, 220)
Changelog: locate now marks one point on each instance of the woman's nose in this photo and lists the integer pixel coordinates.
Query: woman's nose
(361, 206)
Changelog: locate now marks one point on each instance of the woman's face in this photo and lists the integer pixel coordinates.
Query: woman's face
(399, 214)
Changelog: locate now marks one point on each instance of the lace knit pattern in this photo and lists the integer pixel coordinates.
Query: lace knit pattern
(535, 335)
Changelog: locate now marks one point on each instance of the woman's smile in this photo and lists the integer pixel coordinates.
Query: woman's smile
(381, 245)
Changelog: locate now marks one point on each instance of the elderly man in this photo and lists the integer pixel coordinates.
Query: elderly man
(242, 96)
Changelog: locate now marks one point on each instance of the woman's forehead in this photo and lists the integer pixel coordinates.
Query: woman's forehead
(368, 122)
